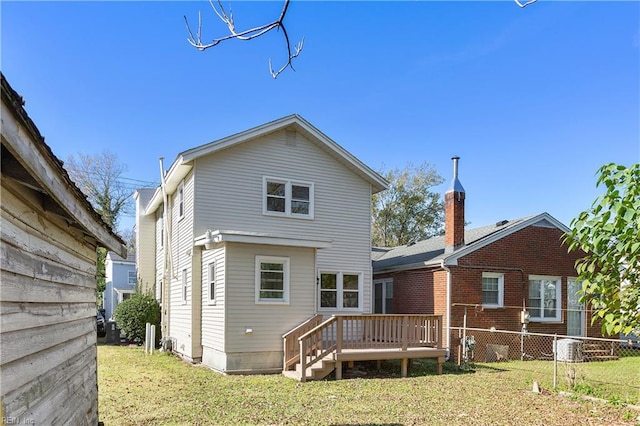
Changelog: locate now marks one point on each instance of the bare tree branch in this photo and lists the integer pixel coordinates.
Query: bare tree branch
(525, 4)
(249, 34)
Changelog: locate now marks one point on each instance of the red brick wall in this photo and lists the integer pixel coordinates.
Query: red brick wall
(530, 251)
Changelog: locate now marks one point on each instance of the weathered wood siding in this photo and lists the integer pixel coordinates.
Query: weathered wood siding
(262, 348)
(47, 315)
(229, 190)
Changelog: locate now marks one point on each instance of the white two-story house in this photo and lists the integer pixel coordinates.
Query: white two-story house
(251, 235)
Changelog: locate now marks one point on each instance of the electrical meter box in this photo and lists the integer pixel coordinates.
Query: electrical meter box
(524, 317)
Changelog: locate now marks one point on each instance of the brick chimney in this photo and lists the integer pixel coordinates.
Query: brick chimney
(454, 212)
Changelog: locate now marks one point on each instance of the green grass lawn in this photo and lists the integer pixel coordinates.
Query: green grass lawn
(135, 388)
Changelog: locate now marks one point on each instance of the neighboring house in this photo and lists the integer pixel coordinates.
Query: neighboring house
(120, 281)
(497, 271)
(49, 236)
(251, 235)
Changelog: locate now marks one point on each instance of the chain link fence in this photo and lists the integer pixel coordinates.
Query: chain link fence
(602, 368)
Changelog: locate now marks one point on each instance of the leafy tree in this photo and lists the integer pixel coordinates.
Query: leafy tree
(408, 210)
(133, 314)
(610, 233)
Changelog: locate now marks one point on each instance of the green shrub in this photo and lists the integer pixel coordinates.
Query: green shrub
(133, 314)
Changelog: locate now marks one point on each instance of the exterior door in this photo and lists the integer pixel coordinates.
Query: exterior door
(575, 309)
(383, 296)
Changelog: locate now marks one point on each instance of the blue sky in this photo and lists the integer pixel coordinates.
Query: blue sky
(533, 100)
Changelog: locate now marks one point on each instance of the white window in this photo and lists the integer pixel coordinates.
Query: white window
(181, 200)
(492, 290)
(211, 283)
(133, 279)
(340, 290)
(184, 287)
(272, 279)
(287, 198)
(161, 230)
(544, 298)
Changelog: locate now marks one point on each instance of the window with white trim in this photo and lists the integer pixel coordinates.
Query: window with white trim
(181, 200)
(211, 283)
(272, 279)
(340, 290)
(545, 300)
(492, 290)
(184, 286)
(284, 197)
(133, 279)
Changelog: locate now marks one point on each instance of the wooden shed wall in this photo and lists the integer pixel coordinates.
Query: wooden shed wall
(48, 357)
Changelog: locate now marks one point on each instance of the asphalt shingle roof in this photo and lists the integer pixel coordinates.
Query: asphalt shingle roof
(431, 250)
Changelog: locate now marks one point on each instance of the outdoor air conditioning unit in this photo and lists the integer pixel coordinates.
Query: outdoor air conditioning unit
(569, 350)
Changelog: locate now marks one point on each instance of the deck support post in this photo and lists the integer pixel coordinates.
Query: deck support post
(440, 362)
(403, 372)
(338, 370)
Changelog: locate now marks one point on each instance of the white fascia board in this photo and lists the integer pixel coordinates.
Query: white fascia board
(212, 238)
(453, 258)
(178, 171)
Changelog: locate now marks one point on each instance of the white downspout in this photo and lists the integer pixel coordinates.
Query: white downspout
(166, 276)
(448, 314)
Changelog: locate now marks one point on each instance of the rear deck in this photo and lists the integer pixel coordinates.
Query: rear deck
(348, 338)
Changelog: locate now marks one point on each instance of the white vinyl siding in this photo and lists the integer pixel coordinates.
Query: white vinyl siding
(267, 322)
(283, 197)
(341, 200)
(211, 283)
(213, 313)
(272, 279)
(182, 323)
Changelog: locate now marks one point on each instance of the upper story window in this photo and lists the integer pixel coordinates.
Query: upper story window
(181, 200)
(287, 198)
(340, 290)
(492, 290)
(544, 298)
(133, 279)
(272, 279)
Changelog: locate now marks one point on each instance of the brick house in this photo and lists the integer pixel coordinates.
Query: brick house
(493, 272)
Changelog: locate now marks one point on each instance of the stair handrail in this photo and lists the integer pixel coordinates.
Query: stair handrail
(311, 346)
(290, 341)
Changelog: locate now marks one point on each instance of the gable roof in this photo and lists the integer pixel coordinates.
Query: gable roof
(431, 252)
(184, 161)
(29, 161)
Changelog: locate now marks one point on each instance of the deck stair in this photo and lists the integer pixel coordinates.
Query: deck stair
(348, 338)
(600, 351)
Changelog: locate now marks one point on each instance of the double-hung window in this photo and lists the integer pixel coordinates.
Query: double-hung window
(211, 283)
(340, 290)
(272, 279)
(284, 197)
(545, 298)
(133, 279)
(492, 290)
(181, 200)
(184, 287)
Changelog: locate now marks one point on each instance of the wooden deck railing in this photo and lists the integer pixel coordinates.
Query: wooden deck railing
(349, 332)
(291, 344)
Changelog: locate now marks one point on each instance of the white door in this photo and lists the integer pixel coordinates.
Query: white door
(575, 309)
